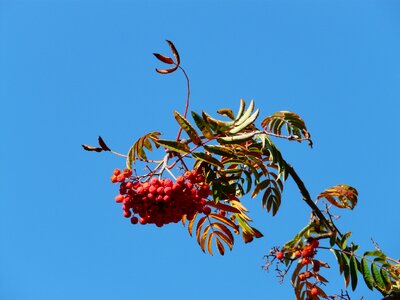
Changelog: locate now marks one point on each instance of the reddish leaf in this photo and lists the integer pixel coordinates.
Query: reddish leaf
(103, 144)
(223, 220)
(227, 232)
(198, 227)
(190, 226)
(341, 195)
(164, 59)
(209, 243)
(204, 237)
(174, 52)
(220, 247)
(222, 206)
(91, 148)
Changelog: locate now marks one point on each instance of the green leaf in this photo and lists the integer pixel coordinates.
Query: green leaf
(236, 139)
(386, 279)
(218, 126)
(185, 125)
(339, 259)
(376, 253)
(369, 281)
(346, 269)
(246, 114)
(202, 125)
(353, 272)
(343, 242)
(137, 151)
(208, 159)
(220, 150)
(294, 125)
(377, 277)
(246, 123)
(174, 146)
(241, 109)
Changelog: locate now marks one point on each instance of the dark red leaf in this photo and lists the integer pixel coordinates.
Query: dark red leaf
(164, 59)
(91, 148)
(103, 144)
(175, 52)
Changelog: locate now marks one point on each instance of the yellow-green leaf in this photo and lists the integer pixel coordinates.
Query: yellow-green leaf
(188, 128)
(202, 125)
(208, 159)
(377, 277)
(174, 146)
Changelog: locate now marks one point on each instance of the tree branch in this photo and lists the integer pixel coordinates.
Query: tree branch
(307, 198)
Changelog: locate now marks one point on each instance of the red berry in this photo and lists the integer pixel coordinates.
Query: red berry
(297, 254)
(127, 172)
(306, 260)
(134, 220)
(302, 277)
(114, 179)
(167, 190)
(314, 291)
(180, 180)
(120, 178)
(206, 210)
(119, 198)
(279, 255)
(117, 172)
(154, 181)
(222, 213)
(308, 251)
(314, 243)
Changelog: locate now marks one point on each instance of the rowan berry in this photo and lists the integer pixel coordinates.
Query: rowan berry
(314, 291)
(279, 255)
(119, 198)
(297, 253)
(314, 243)
(206, 210)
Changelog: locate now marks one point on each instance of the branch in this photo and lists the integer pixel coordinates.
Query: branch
(307, 198)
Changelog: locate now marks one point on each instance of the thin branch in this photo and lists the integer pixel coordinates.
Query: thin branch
(307, 198)
(187, 99)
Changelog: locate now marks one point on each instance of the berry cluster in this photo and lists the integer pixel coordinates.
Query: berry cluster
(306, 257)
(161, 201)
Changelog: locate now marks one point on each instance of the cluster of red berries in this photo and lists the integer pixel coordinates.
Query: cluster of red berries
(306, 254)
(162, 201)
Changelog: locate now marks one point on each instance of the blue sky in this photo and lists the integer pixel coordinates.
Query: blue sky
(73, 70)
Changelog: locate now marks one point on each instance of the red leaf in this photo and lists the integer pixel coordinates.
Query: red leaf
(103, 144)
(91, 148)
(164, 59)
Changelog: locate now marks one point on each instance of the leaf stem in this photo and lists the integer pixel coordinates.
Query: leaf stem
(187, 99)
(119, 154)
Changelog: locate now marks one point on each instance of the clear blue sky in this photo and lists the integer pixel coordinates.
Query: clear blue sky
(73, 70)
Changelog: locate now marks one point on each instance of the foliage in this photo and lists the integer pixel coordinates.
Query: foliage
(225, 158)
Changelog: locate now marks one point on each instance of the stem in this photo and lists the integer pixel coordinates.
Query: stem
(187, 99)
(307, 198)
(119, 154)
